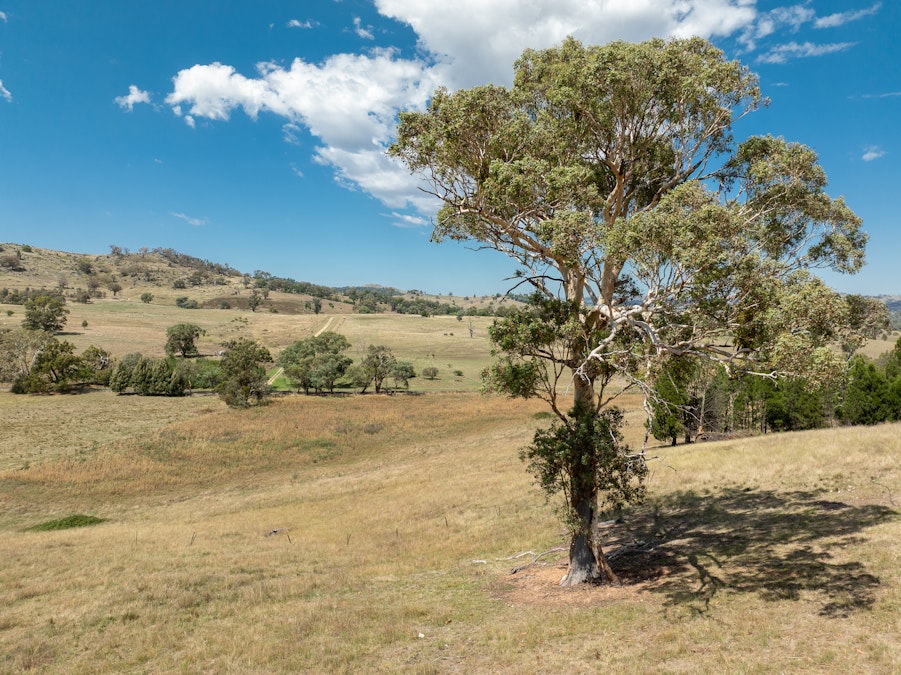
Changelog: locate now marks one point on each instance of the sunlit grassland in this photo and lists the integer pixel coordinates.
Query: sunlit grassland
(876, 347)
(124, 326)
(41, 428)
(392, 519)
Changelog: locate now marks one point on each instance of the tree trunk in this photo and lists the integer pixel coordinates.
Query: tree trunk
(587, 562)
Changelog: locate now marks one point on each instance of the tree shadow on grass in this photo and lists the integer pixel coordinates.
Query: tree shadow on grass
(778, 545)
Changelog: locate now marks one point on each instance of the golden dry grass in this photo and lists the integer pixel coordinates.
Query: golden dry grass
(394, 518)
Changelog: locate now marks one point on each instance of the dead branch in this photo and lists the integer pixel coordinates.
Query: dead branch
(536, 558)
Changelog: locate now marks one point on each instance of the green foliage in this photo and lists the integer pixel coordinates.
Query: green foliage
(147, 376)
(200, 373)
(120, 378)
(180, 339)
(186, 303)
(316, 362)
(254, 300)
(19, 350)
(671, 415)
(98, 364)
(595, 172)
(35, 362)
(377, 366)
(243, 377)
(58, 365)
(430, 372)
(146, 297)
(69, 522)
(402, 372)
(45, 312)
(157, 377)
(584, 455)
(870, 397)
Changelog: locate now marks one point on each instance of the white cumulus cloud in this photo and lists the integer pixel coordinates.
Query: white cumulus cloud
(349, 102)
(133, 96)
(4, 92)
(361, 31)
(872, 152)
(478, 42)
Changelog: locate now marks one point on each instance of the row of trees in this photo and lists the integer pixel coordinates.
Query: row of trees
(697, 399)
(34, 361)
(319, 362)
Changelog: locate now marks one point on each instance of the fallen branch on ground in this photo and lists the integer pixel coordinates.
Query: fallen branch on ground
(535, 558)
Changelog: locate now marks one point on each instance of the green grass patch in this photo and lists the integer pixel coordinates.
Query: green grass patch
(67, 523)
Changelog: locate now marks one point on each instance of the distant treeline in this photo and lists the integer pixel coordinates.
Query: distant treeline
(379, 299)
(20, 297)
(698, 400)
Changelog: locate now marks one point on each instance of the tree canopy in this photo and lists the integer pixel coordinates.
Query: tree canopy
(243, 375)
(611, 175)
(316, 362)
(46, 313)
(181, 338)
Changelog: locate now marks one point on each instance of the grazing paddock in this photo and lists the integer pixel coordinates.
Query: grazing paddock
(377, 534)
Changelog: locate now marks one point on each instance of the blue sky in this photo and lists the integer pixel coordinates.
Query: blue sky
(254, 135)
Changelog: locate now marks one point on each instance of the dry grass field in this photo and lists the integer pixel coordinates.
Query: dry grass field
(393, 524)
(379, 533)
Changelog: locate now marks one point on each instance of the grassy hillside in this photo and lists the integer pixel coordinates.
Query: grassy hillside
(378, 534)
(393, 524)
(168, 275)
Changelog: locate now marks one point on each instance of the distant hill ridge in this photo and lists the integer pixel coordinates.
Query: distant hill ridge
(174, 277)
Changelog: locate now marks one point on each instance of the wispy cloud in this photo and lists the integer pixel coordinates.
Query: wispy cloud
(841, 18)
(888, 94)
(196, 222)
(767, 23)
(4, 92)
(134, 96)
(3, 17)
(872, 152)
(297, 23)
(291, 133)
(407, 220)
(365, 33)
(796, 50)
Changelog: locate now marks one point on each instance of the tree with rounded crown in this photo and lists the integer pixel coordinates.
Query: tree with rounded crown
(45, 312)
(181, 338)
(611, 176)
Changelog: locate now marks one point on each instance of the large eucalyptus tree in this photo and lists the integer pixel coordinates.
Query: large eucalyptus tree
(610, 174)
